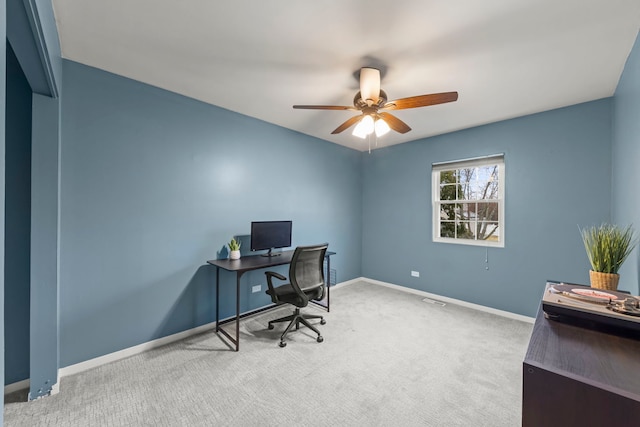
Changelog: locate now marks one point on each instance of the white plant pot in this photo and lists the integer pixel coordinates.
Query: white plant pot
(234, 255)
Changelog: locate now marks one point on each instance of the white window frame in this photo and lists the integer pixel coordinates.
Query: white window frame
(436, 168)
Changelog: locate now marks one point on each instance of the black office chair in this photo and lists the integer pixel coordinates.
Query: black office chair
(306, 277)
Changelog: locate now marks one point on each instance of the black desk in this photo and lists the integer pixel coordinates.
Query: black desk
(250, 263)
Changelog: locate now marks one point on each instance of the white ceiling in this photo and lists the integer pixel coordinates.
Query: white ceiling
(506, 58)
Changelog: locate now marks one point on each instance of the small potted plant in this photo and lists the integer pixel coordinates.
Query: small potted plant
(234, 248)
(607, 246)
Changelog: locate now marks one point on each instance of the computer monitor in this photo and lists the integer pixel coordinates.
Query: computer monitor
(268, 235)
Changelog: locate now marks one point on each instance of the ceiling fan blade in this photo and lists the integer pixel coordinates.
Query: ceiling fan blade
(370, 84)
(421, 101)
(395, 123)
(346, 125)
(325, 107)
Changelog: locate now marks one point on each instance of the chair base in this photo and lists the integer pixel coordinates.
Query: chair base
(294, 320)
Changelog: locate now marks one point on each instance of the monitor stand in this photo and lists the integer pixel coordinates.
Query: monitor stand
(270, 254)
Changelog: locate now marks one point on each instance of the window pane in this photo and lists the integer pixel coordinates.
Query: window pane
(447, 229)
(465, 230)
(463, 192)
(448, 192)
(488, 231)
(467, 175)
(492, 190)
(448, 177)
(488, 211)
(465, 211)
(488, 173)
(481, 190)
(448, 211)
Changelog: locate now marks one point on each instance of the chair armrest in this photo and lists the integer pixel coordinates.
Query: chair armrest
(274, 274)
(270, 275)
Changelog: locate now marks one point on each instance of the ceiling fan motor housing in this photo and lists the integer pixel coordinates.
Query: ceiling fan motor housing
(361, 104)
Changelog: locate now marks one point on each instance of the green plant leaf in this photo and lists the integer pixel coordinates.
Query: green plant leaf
(608, 246)
(234, 245)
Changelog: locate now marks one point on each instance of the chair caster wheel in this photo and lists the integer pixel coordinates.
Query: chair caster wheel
(320, 339)
(270, 326)
(282, 344)
(323, 322)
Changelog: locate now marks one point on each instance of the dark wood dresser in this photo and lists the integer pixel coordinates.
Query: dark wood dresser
(574, 375)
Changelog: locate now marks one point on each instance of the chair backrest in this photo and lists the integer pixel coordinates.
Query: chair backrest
(306, 272)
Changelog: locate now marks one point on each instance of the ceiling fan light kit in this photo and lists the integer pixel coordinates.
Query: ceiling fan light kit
(367, 127)
(370, 100)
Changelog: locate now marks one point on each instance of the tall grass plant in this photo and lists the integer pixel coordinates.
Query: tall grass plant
(608, 246)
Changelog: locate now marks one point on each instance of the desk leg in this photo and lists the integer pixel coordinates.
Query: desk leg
(217, 298)
(238, 276)
(219, 328)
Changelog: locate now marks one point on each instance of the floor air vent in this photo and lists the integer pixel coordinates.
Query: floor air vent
(433, 301)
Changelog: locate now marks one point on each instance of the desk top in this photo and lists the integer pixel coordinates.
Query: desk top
(252, 262)
(255, 262)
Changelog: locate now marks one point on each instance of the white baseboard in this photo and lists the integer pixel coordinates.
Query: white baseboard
(466, 304)
(348, 282)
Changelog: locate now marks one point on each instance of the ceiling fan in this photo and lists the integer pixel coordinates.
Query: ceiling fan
(372, 102)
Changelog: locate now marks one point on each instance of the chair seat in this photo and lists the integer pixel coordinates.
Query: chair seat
(287, 294)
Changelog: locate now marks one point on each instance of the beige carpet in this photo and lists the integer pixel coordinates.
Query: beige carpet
(388, 359)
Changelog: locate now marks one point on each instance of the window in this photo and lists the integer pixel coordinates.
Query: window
(468, 201)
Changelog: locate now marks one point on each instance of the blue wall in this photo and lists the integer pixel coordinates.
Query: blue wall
(154, 184)
(626, 161)
(17, 221)
(557, 177)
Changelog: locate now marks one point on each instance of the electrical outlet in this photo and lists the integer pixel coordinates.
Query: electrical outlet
(256, 288)
(415, 273)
